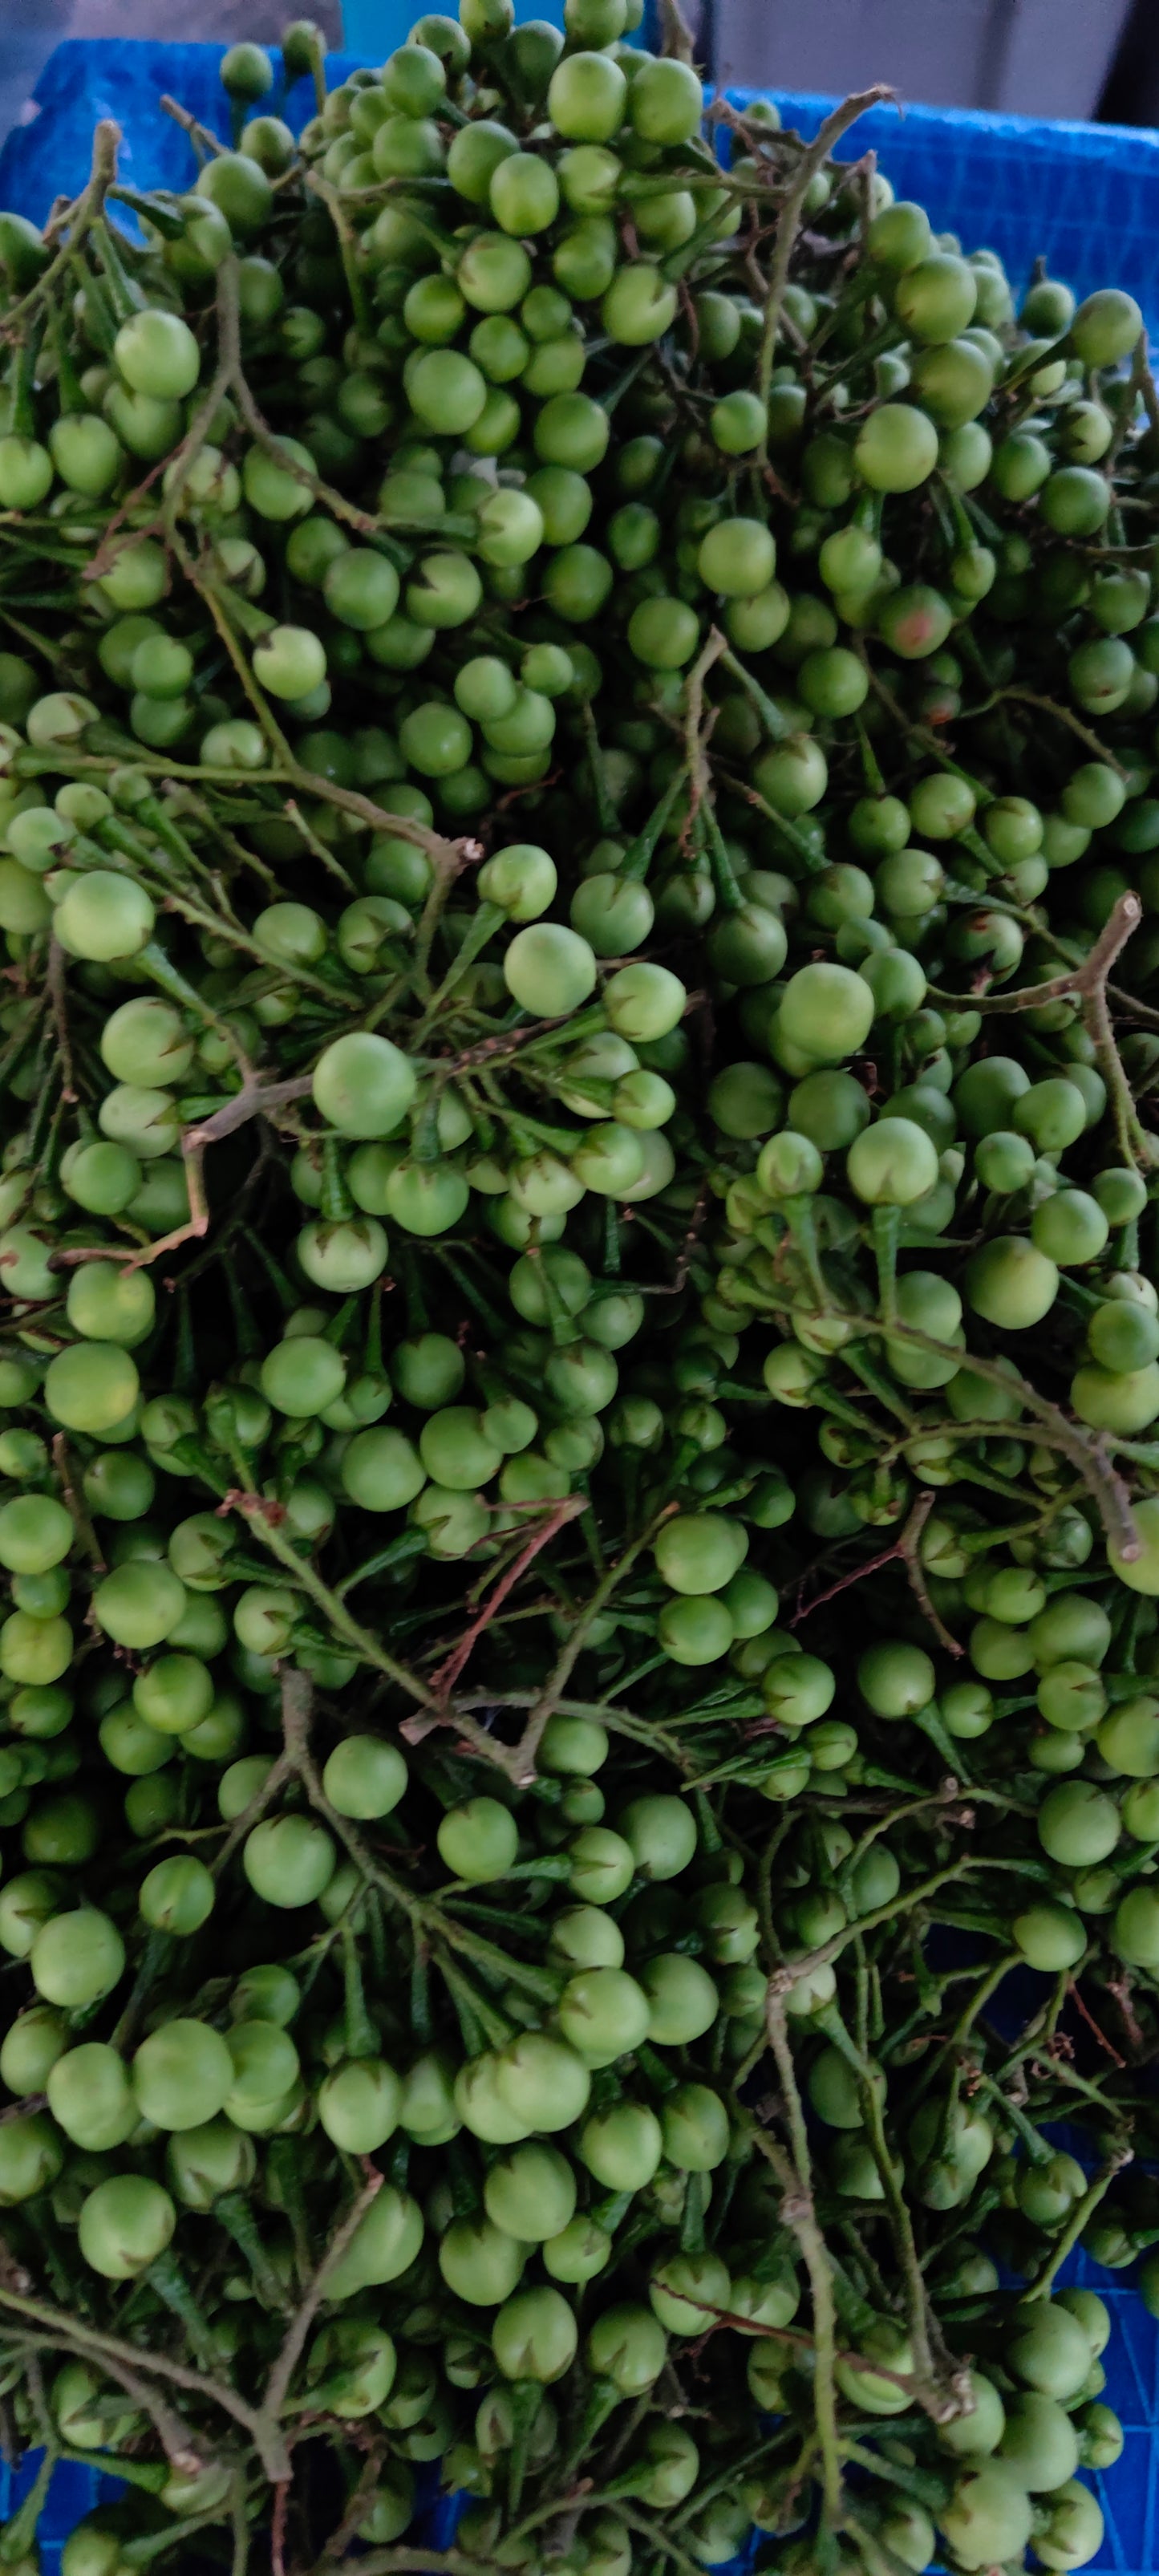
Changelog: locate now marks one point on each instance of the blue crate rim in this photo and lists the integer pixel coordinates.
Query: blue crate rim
(1017, 181)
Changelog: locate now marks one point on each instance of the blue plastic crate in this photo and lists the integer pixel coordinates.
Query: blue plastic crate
(1083, 197)
(73, 2492)
(373, 28)
(1128, 2493)
(91, 77)
(1086, 198)
(85, 79)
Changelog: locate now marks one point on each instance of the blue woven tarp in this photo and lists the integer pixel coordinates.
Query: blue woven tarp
(1084, 197)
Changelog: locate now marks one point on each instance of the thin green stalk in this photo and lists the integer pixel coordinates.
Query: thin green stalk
(1079, 2219)
(789, 222)
(798, 2213)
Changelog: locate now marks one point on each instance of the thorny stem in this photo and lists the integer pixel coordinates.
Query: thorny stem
(257, 698)
(74, 1501)
(977, 2004)
(257, 1511)
(938, 2403)
(175, 2438)
(789, 225)
(56, 992)
(905, 1549)
(694, 737)
(1088, 1455)
(912, 1898)
(317, 847)
(278, 2383)
(523, 1758)
(230, 378)
(69, 2329)
(443, 1681)
(184, 801)
(239, 2524)
(202, 137)
(1082, 2007)
(1090, 982)
(417, 2562)
(617, 1720)
(254, 1100)
(922, 735)
(1089, 977)
(357, 2508)
(74, 222)
(427, 1918)
(1066, 716)
(347, 244)
(275, 1780)
(660, 2539)
(1080, 2217)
